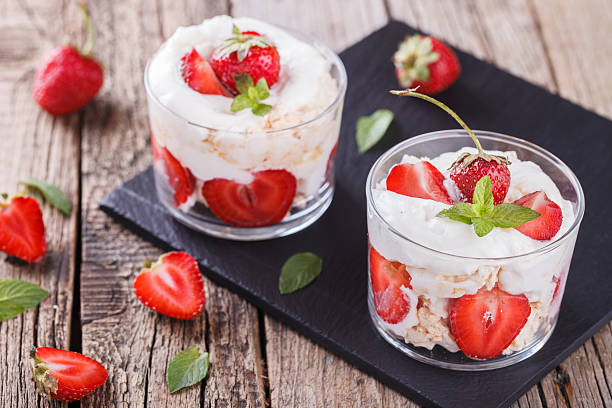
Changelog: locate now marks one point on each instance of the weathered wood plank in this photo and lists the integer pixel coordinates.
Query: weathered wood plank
(134, 342)
(34, 144)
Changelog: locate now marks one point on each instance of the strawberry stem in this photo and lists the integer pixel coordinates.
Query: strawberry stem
(411, 92)
(88, 47)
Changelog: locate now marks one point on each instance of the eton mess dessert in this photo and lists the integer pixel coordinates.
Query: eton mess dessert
(469, 249)
(245, 119)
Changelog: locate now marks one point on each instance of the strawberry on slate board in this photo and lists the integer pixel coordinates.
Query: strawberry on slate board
(199, 75)
(22, 231)
(426, 63)
(264, 201)
(548, 223)
(172, 286)
(180, 178)
(391, 303)
(67, 79)
(485, 324)
(246, 53)
(65, 375)
(421, 180)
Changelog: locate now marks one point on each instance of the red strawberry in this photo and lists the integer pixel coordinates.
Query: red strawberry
(180, 178)
(426, 63)
(392, 304)
(331, 162)
(65, 375)
(246, 53)
(421, 180)
(486, 323)
(172, 286)
(199, 75)
(66, 79)
(466, 176)
(264, 201)
(548, 223)
(22, 231)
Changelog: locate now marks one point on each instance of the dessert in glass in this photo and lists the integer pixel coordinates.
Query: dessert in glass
(469, 248)
(245, 119)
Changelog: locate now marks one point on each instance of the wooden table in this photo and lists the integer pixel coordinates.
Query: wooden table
(92, 261)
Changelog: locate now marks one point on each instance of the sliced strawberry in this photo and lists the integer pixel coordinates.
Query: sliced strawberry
(388, 277)
(548, 223)
(172, 286)
(331, 162)
(264, 201)
(199, 75)
(65, 375)
(420, 180)
(485, 323)
(22, 231)
(180, 178)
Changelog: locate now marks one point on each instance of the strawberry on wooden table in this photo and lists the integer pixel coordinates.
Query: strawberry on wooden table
(427, 63)
(65, 375)
(180, 178)
(22, 231)
(67, 79)
(199, 75)
(548, 223)
(172, 286)
(264, 201)
(388, 278)
(485, 324)
(421, 180)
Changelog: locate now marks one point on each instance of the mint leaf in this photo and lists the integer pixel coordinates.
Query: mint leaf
(262, 89)
(241, 102)
(461, 212)
(262, 109)
(299, 271)
(512, 215)
(51, 193)
(482, 226)
(251, 95)
(483, 197)
(187, 368)
(17, 296)
(370, 129)
(243, 82)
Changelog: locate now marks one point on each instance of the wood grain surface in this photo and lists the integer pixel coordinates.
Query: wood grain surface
(92, 261)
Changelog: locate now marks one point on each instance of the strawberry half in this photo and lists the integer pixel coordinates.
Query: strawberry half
(264, 201)
(388, 277)
(548, 223)
(331, 162)
(65, 375)
(466, 175)
(426, 63)
(486, 323)
(22, 231)
(180, 178)
(246, 52)
(199, 75)
(420, 180)
(172, 286)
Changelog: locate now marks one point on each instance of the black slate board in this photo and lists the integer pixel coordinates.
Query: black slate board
(333, 311)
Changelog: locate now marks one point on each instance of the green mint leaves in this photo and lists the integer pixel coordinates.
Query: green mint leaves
(370, 129)
(51, 193)
(299, 271)
(187, 368)
(484, 215)
(250, 95)
(17, 296)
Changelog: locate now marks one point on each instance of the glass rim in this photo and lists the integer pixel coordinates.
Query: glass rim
(317, 44)
(487, 135)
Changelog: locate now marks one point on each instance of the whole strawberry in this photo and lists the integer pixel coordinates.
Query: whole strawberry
(67, 79)
(246, 53)
(426, 63)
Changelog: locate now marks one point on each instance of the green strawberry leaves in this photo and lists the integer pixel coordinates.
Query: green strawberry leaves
(187, 368)
(299, 271)
(370, 129)
(250, 95)
(51, 193)
(484, 215)
(17, 296)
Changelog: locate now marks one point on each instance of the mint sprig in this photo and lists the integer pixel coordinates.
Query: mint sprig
(484, 215)
(251, 95)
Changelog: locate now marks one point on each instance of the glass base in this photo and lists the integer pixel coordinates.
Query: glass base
(202, 219)
(440, 357)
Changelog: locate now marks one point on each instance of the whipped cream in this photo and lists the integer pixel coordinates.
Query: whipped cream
(437, 276)
(220, 144)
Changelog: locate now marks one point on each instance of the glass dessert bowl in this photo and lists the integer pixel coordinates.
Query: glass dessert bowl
(245, 119)
(441, 293)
